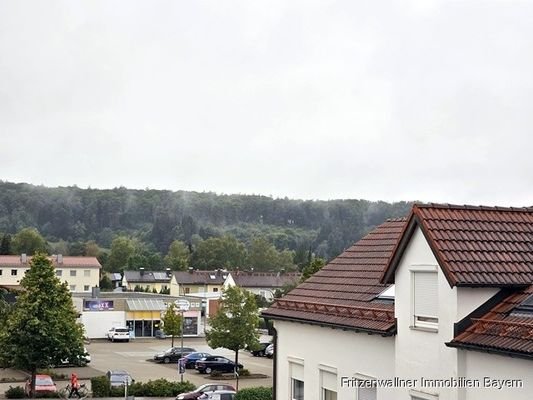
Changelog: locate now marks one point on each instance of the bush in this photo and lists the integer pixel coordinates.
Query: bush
(256, 393)
(244, 372)
(157, 388)
(216, 373)
(16, 392)
(100, 386)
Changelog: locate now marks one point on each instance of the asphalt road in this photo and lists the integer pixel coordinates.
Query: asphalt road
(134, 357)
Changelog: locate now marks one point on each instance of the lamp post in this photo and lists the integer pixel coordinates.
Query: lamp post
(183, 305)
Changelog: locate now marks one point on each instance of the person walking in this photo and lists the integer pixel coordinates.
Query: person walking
(74, 386)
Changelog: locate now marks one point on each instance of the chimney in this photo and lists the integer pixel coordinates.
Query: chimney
(60, 258)
(191, 270)
(23, 258)
(169, 272)
(95, 292)
(141, 271)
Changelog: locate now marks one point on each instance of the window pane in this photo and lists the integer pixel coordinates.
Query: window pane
(297, 389)
(72, 272)
(425, 294)
(330, 395)
(366, 393)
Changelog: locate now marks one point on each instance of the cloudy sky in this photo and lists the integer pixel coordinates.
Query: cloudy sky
(413, 100)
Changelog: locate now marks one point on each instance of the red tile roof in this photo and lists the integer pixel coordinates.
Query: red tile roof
(475, 246)
(343, 292)
(503, 329)
(68, 262)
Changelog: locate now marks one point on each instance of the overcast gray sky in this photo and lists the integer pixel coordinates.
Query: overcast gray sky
(393, 100)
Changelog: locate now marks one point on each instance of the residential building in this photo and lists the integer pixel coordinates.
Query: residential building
(147, 280)
(439, 306)
(265, 284)
(80, 273)
(200, 283)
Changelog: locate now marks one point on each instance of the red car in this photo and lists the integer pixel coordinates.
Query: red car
(43, 384)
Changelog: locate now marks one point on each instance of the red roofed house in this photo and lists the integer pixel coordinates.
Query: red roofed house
(442, 301)
(81, 273)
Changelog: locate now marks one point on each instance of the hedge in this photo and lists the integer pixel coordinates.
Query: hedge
(16, 392)
(158, 388)
(256, 393)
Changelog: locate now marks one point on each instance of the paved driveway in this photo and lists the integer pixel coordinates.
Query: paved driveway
(134, 357)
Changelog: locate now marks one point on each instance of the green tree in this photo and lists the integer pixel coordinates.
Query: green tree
(172, 322)
(28, 241)
(223, 252)
(122, 248)
(234, 326)
(315, 266)
(263, 256)
(105, 282)
(177, 257)
(5, 245)
(42, 329)
(91, 249)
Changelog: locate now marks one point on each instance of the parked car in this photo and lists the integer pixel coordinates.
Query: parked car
(119, 378)
(119, 333)
(81, 362)
(208, 387)
(269, 351)
(43, 385)
(190, 359)
(219, 395)
(260, 352)
(215, 363)
(173, 354)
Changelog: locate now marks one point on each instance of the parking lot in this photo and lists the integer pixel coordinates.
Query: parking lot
(135, 357)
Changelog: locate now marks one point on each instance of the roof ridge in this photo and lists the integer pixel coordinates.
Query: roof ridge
(470, 207)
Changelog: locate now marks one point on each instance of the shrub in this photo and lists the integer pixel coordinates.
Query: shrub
(157, 388)
(100, 386)
(216, 373)
(256, 393)
(244, 372)
(16, 392)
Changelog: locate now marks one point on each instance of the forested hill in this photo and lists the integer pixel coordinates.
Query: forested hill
(157, 217)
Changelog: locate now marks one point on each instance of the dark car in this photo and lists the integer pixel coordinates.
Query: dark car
(173, 354)
(207, 388)
(190, 359)
(260, 352)
(215, 363)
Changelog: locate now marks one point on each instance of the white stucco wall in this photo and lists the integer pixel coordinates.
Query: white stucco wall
(422, 354)
(480, 365)
(326, 352)
(97, 323)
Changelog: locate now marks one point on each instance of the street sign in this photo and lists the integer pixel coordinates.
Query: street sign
(183, 304)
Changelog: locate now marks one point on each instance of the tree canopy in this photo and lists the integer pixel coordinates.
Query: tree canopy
(28, 241)
(172, 322)
(42, 329)
(234, 326)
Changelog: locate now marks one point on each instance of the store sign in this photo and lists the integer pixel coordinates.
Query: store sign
(98, 305)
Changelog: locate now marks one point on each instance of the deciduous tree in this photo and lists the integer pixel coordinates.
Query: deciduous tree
(177, 257)
(234, 326)
(42, 329)
(172, 322)
(28, 241)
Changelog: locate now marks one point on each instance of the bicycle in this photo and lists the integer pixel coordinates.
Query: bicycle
(83, 391)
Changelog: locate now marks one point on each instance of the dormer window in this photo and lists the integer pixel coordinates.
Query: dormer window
(212, 276)
(425, 299)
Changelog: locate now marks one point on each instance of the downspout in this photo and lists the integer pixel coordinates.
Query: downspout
(275, 365)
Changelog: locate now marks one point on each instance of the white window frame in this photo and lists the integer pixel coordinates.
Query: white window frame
(362, 377)
(86, 288)
(417, 395)
(427, 323)
(292, 388)
(59, 272)
(73, 272)
(72, 288)
(87, 273)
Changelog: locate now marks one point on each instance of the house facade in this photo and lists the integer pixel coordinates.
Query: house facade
(265, 284)
(438, 306)
(147, 280)
(80, 273)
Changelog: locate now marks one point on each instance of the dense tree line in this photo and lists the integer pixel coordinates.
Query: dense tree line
(158, 228)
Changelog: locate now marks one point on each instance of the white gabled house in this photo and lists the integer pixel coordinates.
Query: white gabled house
(460, 326)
